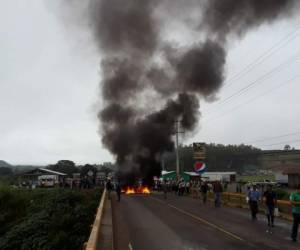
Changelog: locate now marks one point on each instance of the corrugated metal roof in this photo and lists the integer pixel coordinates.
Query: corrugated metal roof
(37, 172)
(292, 170)
(51, 171)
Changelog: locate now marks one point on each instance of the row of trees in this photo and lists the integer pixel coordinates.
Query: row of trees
(5, 171)
(219, 157)
(65, 166)
(69, 168)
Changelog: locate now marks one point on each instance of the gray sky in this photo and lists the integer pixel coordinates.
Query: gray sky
(49, 75)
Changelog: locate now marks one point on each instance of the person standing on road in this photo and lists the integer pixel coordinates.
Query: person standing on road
(254, 198)
(270, 200)
(295, 200)
(204, 189)
(218, 189)
(187, 187)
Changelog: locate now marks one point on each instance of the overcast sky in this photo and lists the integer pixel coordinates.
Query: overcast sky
(49, 77)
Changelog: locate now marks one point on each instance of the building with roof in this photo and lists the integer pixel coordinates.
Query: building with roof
(220, 176)
(293, 173)
(279, 176)
(42, 177)
(172, 175)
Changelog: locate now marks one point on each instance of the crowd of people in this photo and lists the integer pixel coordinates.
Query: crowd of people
(255, 196)
(193, 188)
(269, 199)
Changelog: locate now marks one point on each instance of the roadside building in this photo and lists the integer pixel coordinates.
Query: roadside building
(193, 176)
(293, 173)
(172, 175)
(42, 177)
(100, 178)
(279, 175)
(220, 176)
(76, 180)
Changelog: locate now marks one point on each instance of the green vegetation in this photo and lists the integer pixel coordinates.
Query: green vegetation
(219, 157)
(46, 218)
(282, 194)
(5, 171)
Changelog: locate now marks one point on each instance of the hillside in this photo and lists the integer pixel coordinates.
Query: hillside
(4, 164)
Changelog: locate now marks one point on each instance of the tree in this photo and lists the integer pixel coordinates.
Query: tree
(6, 171)
(287, 147)
(219, 157)
(64, 166)
(106, 170)
(86, 168)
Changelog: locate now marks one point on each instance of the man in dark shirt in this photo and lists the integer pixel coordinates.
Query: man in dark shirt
(204, 189)
(108, 188)
(118, 190)
(270, 201)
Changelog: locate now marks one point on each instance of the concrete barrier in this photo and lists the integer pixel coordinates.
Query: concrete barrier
(93, 239)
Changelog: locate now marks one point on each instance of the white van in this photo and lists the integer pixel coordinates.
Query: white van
(48, 180)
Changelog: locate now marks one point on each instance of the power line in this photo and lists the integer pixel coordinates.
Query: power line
(267, 54)
(279, 143)
(260, 79)
(255, 98)
(274, 137)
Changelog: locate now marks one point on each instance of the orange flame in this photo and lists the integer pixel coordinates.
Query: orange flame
(130, 191)
(138, 190)
(145, 190)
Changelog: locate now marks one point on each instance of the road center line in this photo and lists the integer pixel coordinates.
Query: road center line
(200, 220)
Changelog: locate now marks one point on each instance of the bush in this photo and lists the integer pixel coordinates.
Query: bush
(52, 219)
(12, 207)
(282, 194)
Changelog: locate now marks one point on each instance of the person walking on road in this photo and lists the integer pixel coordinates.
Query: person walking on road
(295, 200)
(204, 189)
(165, 188)
(118, 191)
(254, 198)
(270, 201)
(181, 187)
(218, 189)
(108, 188)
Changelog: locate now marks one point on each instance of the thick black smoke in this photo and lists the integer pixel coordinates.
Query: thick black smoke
(227, 17)
(148, 82)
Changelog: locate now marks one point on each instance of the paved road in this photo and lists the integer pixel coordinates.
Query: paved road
(149, 222)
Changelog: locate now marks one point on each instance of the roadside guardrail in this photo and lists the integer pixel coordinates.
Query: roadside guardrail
(92, 242)
(239, 200)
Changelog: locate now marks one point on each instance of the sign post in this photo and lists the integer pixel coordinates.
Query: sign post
(199, 157)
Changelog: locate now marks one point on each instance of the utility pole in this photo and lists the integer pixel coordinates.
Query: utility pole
(162, 162)
(177, 132)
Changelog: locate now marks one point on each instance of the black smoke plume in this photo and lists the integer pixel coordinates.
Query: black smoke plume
(149, 81)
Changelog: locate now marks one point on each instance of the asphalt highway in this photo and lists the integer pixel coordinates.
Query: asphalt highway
(143, 222)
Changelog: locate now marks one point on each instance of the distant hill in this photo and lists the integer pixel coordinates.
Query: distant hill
(5, 164)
